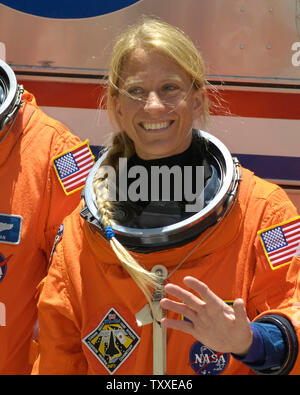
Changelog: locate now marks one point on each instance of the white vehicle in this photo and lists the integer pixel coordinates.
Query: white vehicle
(251, 48)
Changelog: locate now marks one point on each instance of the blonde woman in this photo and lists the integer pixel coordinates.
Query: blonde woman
(103, 307)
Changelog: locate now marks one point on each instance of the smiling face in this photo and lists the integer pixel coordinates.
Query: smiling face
(156, 104)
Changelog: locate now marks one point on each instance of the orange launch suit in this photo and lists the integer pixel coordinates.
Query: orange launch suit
(32, 196)
(88, 301)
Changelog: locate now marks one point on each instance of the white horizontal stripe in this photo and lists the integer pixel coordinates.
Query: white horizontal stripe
(88, 159)
(81, 154)
(292, 248)
(284, 258)
(291, 233)
(86, 170)
(291, 226)
(83, 148)
(278, 137)
(240, 134)
(78, 182)
(293, 237)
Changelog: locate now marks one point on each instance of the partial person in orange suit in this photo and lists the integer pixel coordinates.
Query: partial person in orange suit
(33, 203)
(144, 282)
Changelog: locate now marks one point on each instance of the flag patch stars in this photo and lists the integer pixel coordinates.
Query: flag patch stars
(274, 239)
(66, 165)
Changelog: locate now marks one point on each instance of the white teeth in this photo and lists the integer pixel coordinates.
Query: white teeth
(156, 126)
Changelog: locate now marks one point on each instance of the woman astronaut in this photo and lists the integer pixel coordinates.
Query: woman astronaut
(115, 299)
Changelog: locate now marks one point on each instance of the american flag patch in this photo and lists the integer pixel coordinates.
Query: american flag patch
(280, 242)
(72, 167)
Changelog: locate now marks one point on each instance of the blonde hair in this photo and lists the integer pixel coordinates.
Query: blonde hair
(152, 34)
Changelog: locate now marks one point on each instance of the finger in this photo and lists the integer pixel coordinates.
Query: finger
(239, 310)
(180, 325)
(187, 297)
(179, 308)
(243, 324)
(202, 290)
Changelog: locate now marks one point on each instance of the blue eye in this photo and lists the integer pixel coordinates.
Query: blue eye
(170, 88)
(135, 91)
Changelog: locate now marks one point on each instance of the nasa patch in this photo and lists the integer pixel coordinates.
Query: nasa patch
(112, 341)
(205, 361)
(10, 228)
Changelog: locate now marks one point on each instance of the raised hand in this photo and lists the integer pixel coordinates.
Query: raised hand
(211, 320)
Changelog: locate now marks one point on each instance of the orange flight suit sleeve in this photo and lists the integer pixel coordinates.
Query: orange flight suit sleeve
(31, 191)
(59, 205)
(275, 291)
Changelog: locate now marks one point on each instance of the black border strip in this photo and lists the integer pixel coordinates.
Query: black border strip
(60, 75)
(104, 77)
(255, 84)
(283, 169)
(286, 186)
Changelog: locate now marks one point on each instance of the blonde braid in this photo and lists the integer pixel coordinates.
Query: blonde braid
(143, 278)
